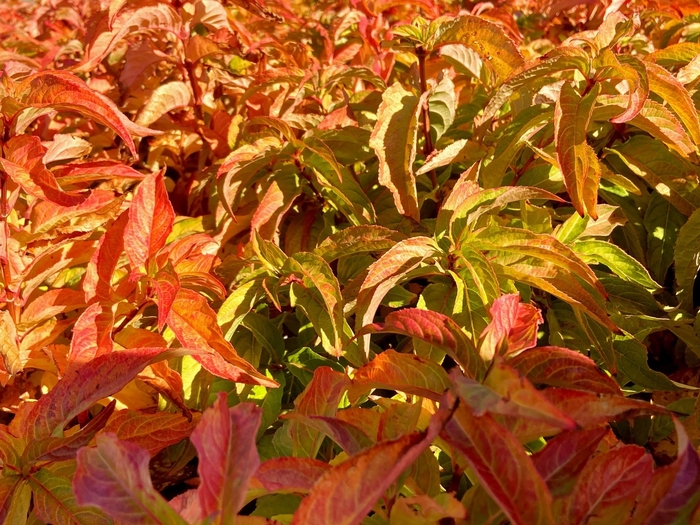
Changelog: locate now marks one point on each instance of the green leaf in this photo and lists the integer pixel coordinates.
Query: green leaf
(687, 259)
(663, 223)
(266, 333)
(442, 102)
(358, 239)
(394, 140)
(632, 361)
(237, 305)
(615, 258)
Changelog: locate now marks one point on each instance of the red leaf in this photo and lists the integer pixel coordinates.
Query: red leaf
(513, 327)
(166, 285)
(194, 324)
(50, 304)
(64, 91)
(404, 372)
(97, 282)
(320, 398)
(561, 461)
(115, 477)
(671, 486)
(609, 484)
(95, 170)
(346, 493)
(502, 466)
(24, 163)
(151, 218)
(350, 438)
(228, 458)
(92, 335)
(151, 432)
(434, 328)
(562, 367)
(79, 389)
(285, 474)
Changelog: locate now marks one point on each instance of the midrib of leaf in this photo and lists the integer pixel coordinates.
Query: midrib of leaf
(58, 501)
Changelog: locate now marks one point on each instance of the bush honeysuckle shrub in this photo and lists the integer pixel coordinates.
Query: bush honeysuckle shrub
(349, 262)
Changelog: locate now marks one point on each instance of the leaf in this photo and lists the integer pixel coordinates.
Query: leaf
(54, 500)
(92, 336)
(436, 329)
(441, 103)
(225, 442)
(676, 96)
(663, 223)
(320, 398)
(151, 432)
(151, 218)
(9, 344)
(275, 202)
(24, 163)
(324, 303)
(114, 476)
(404, 372)
(632, 361)
(623, 265)
(194, 324)
(66, 92)
(350, 438)
(486, 38)
(687, 259)
(346, 493)
(561, 367)
(609, 484)
(387, 272)
(577, 160)
(394, 140)
(358, 239)
(562, 459)
(507, 393)
(81, 388)
(19, 505)
(97, 282)
(501, 465)
(167, 97)
(289, 475)
(237, 305)
(513, 327)
(166, 284)
(63, 448)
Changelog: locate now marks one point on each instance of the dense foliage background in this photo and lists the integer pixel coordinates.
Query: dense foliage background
(349, 262)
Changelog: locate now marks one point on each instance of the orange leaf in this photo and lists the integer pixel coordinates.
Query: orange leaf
(152, 432)
(92, 335)
(513, 327)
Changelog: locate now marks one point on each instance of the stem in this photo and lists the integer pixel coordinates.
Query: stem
(425, 110)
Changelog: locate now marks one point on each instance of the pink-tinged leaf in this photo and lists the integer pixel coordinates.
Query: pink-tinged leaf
(436, 329)
(394, 141)
(289, 475)
(609, 485)
(228, 458)
(320, 398)
(50, 304)
(151, 218)
(561, 461)
(194, 324)
(513, 327)
(151, 432)
(63, 448)
(97, 282)
(54, 259)
(24, 163)
(554, 366)
(115, 477)
(166, 285)
(577, 160)
(9, 344)
(346, 493)
(403, 372)
(671, 486)
(187, 506)
(79, 389)
(506, 393)
(502, 466)
(350, 438)
(590, 409)
(66, 92)
(92, 335)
